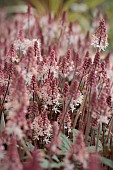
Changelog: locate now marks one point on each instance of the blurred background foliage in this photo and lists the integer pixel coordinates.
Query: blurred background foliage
(83, 11)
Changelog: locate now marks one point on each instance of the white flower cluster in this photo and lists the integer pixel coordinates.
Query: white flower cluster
(23, 46)
(13, 128)
(102, 45)
(41, 131)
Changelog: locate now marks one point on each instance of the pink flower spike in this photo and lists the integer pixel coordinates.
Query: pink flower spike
(100, 37)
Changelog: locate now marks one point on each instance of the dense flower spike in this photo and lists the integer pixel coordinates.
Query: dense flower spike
(108, 100)
(74, 89)
(33, 163)
(66, 89)
(94, 99)
(87, 63)
(91, 78)
(42, 127)
(16, 116)
(78, 151)
(99, 39)
(96, 59)
(94, 162)
(11, 159)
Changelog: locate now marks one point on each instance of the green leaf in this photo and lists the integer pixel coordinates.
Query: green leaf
(100, 146)
(68, 4)
(56, 165)
(75, 133)
(107, 162)
(55, 158)
(66, 144)
(16, 9)
(79, 7)
(30, 146)
(91, 148)
(46, 164)
(38, 5)
(65, 141)
(94, 3)
(55, 5)
(82, 19)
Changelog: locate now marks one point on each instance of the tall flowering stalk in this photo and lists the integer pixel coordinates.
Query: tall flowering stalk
(17, 106)
(99, 39)
(77, 153)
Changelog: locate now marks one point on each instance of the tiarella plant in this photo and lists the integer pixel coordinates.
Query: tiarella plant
(56, 93)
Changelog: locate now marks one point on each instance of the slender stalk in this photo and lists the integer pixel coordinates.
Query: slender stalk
(110, 127)
(79, 111)
(25, 148)
(87, 127)
(28, 26)
(98, 138)
(92, 142)
(64, 113)
(61, 33)
(3, 101)
(80, 81)
(66, 109)
(89, 120)
(103, 134)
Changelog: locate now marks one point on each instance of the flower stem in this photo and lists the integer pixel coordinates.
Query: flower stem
(98, 138)
(110, 127)
(2, 104)
(79, 111)
(25, 148)
(89, 121)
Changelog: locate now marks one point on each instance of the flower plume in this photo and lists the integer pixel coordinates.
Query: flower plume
(100, 37)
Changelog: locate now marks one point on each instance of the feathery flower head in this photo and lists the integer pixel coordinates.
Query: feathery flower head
(78, 151)
(41, 127)
(100, 37)
(33, 163)
(11, 159)
(94, 161)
